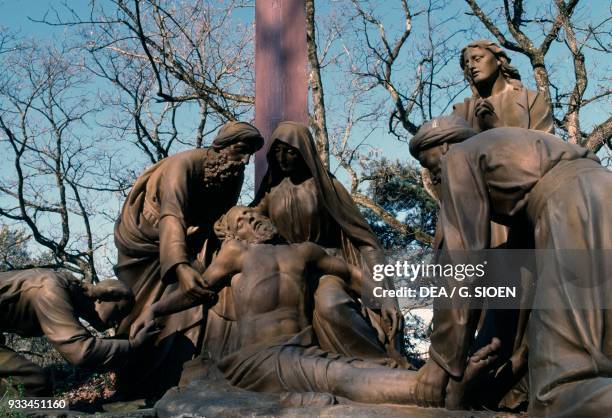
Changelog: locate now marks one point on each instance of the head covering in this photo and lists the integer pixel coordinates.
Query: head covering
(334, 197)
(440, 130)
(233, 132)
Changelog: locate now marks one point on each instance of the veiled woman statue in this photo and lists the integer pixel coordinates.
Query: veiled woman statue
(307, 203)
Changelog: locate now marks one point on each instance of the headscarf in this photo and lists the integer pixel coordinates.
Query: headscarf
(335, 199)
(233, 132)
(440, 130)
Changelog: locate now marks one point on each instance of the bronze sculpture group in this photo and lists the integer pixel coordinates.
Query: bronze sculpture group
(41, 302)
(278, 294)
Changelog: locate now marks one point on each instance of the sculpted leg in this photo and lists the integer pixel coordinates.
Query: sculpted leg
(339, 324)
(379, 385)
(20, 372)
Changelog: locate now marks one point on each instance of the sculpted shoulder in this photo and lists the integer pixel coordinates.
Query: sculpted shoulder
(233, 247)
(461, 109)
(189, 157)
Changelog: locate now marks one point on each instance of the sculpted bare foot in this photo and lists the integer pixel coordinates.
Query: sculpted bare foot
(478, 363)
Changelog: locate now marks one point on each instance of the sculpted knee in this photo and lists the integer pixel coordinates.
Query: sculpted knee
(329, 297)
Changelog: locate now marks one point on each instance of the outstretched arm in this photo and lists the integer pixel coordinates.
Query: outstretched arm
(227, 263)
(218, 275)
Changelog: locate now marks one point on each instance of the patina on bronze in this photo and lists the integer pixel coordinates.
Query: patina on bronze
(308, 204)
(165, 222)
(270, 281)
(41, 302)
(499, 98)
(560, 193)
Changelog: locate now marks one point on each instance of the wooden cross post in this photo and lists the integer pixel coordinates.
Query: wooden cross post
(281, 79)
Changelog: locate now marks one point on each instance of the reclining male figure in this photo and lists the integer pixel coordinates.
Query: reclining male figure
(270, 280)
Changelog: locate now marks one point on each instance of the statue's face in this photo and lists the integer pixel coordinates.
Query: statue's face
(431, 159)
(249, 225)
(480, 65)
(111, 313)
(238, 152)
(287, 157)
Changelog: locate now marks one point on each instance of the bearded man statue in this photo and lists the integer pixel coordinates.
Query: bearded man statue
(166, 221)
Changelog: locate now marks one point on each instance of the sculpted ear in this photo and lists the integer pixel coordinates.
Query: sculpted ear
(445, 147)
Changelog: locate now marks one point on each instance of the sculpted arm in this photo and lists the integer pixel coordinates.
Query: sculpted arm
(59, 322)
(173, 195)
(227, 263)
(540, 115)
(328, 264)
(465, 221)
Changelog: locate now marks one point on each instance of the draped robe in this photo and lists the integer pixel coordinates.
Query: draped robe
(562, 192)
(517, 107)
(320, 210)
(166, 219)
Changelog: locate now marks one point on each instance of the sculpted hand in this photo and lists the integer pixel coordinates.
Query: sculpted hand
(191, 281)
(431, 383)
(146, 335)
(146, 318)
(392, 317)
(485, 112)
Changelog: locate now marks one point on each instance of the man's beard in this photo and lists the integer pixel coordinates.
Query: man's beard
(265, 231)
(218, 171)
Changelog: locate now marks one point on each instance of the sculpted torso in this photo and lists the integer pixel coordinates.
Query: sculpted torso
(269, 293)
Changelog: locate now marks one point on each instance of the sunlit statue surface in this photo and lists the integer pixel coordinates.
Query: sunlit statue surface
(270, 281)
(559, 193)
(307, 203)
(166, 220)
(499, 98)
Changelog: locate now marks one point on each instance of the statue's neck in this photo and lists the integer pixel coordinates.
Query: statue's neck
(492, 88)
(298, 176)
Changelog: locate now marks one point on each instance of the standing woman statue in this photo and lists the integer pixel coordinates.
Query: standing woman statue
(499, 98)
(307, 203)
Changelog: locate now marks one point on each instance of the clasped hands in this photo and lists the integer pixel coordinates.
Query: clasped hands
(485, 113)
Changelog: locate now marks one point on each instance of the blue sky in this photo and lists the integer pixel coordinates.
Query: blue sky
(14, 17)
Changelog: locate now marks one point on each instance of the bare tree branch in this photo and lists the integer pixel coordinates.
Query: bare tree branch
(319, 121)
